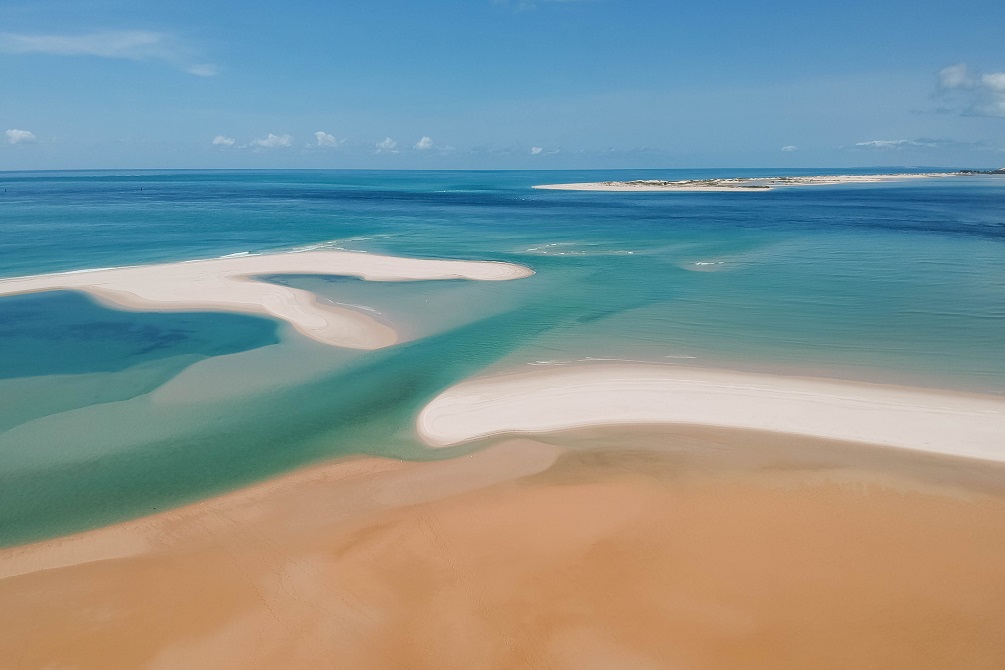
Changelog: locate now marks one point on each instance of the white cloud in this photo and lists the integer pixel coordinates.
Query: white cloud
(536, 151)
(924, 143)
(994, 81)
(790, 147)
(891, 144)
(325, 140)
(273, 142)
(203, 70)
(424, 143)
(972, 93)
(387, 145)
(137, 45)
(222, 141)
(955, 76)
(15, 136)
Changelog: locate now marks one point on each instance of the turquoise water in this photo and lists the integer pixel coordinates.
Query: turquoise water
(106, 414)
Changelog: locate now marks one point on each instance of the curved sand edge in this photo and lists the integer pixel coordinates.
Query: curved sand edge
(741, 184)
(542, 401)
(229, 284)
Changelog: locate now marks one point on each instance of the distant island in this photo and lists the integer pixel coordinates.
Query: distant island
(753, 183)
(1000, 170)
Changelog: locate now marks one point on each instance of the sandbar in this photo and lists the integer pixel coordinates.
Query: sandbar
(611, 551)
(230, 284)
(737, 184)
(944, 422)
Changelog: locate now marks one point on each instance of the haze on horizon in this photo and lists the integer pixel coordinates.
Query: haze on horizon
(500, 84)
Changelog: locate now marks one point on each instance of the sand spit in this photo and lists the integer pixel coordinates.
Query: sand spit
(546, 400)
(229, 284)
(628, 553)
(748, 184)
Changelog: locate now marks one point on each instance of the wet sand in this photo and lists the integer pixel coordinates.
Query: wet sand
(231, 284)
(632, 547)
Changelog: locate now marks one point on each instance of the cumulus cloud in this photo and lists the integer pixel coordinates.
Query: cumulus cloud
(325, 140)
(387, 146)
(972, 93)
(15, 136)
(790, 147)
(536, 151)
(137, 45)
(223, 141)
(273, 142)
(424, 143)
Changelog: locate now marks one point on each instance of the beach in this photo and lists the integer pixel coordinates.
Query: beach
(579, 452)
(643, 547)
(623, 515)
(502, 335)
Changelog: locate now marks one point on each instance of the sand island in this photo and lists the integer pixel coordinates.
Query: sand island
(746, 183)
(230, 284)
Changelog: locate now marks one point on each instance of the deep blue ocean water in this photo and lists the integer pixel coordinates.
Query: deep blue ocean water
(106, 414)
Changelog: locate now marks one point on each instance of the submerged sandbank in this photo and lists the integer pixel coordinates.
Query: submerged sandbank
(545, 400)
(632, 552)
(748, 184)
(230, 284)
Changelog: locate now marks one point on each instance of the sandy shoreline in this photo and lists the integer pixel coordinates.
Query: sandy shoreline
(736, 184)
(546, 400)
(626, 551)
(230, 284)
(659, 516)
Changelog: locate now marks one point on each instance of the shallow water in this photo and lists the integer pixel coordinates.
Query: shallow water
(108, 414)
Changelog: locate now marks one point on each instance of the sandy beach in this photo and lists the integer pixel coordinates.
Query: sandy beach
(737, 184)
(230, 284)
(604, 515)
(645, 548)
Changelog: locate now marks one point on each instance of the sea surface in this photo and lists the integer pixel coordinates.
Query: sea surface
(107, 415)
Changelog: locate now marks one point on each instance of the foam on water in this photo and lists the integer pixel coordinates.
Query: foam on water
(576, 249)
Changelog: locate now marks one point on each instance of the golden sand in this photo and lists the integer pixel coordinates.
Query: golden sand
(632, 548)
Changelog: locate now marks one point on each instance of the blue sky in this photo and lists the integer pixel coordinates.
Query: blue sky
(500, 84)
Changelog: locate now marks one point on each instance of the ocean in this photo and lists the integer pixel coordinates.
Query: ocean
(107, 415)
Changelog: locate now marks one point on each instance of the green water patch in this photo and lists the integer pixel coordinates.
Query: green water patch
(25, 399)
(416, 308)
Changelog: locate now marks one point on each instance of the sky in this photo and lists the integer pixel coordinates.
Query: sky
(500, 84)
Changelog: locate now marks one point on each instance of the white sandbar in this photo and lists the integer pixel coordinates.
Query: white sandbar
(230, 284)
(745, 184)
(540, 401)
